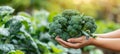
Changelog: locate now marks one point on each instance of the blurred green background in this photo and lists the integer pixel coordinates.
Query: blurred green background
(41, 12)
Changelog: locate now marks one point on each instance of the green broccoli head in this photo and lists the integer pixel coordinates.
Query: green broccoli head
(70, 24)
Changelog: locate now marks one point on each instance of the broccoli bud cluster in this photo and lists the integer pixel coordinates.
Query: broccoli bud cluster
(71, 24)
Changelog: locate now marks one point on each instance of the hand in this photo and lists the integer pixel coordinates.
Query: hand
(74, 42)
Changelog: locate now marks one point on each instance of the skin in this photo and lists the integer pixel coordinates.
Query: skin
(109, 41)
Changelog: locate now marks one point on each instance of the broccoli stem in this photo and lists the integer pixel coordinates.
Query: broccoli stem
(86, 34)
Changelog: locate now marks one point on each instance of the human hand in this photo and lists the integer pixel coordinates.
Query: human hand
(74, 42)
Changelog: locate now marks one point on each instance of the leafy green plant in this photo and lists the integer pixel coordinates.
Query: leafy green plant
(26, 34)
(105, 27)
(17, 29)
(71, 23)
(5, 11)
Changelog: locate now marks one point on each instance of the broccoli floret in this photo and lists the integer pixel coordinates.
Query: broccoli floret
(71, 31)
(70, 24)
(69, 13)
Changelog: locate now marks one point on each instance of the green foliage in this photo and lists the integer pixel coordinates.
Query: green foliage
(17, 29)
(5, 10)
(4, 32)
(6, 47)
(105, 27)
(27, 34)
(71, 23)
(16, 52)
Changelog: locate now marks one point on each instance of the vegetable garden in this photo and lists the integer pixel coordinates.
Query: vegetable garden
(30, 27)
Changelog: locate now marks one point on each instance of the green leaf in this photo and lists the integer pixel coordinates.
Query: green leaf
(88, 48)
(55, 49)
(43, 47)
(14, 26)
(16, 22)
(75, 51)
(4, 32)
(6, 47)
(96, 51)
(16, 52)
(5, 10)
(24, 14)
(29, 37)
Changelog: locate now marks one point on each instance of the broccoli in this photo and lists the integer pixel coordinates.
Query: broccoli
(70, 24)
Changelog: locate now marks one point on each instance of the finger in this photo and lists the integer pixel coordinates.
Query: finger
(71, 45)
(76, 40)
(63, 45)
(57, 38)
(67, 44)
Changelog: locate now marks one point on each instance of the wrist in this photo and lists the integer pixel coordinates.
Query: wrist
(91, 40)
